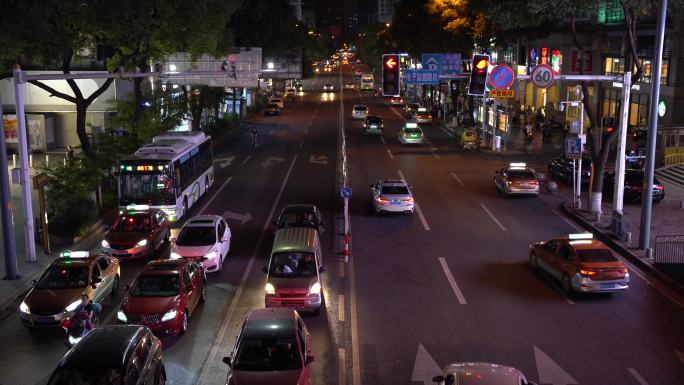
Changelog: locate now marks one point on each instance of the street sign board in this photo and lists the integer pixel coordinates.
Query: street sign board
(40, 180)
(501, 94)
(432, 61)
(412, 76)
(501, 77)
(573, 148)
(451, 65)
(543, 76)
(346, 192)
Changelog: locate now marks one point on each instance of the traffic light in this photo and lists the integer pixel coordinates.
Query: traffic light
(478, 75)
(390, 75)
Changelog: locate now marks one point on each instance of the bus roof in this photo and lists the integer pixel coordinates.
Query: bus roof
(169, 145)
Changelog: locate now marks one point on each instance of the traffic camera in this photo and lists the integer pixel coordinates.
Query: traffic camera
(390, 75)
(478, 75)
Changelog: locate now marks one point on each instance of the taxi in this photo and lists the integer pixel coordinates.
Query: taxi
(137, 233)
(60, 287)
(581, 264)
(480, 373)
(423, 116)
(516, 179)
(410, 133)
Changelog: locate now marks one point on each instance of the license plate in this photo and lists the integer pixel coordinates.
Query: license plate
(45, 320)
(607, 285)
(396, 201)
(120, 252)
(373, 126)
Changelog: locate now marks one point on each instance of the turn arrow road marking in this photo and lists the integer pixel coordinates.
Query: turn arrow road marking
(549, 371)
(225, 162)
(321, 159)
(270, 160)
(425, 368)
(243, 218)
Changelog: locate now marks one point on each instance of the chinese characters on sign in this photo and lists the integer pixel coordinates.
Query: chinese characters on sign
(501, 93)
(412, 76)
(451, 64)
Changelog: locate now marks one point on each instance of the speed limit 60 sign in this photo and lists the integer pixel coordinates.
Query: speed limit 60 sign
(542, 76)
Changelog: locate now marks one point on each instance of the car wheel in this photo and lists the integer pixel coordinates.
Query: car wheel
(567, 286)
(115, 286)
(534, 264)
(161, 378)
(184, 322)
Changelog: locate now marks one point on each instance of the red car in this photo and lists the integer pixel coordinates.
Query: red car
(137, 233)
(164, 295)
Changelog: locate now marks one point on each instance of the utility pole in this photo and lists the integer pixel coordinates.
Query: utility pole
(9, 246)
(647, 190)
(618, 196)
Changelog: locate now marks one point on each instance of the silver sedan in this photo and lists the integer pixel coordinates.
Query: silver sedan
(392, 196)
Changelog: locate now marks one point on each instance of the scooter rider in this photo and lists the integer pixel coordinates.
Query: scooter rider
(88, 309)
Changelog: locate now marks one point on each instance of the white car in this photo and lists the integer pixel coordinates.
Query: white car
(328, 87)
(277, 101)
(392, 196)
(360, 111)
(205, 238)
(350, 86)
(480, 373)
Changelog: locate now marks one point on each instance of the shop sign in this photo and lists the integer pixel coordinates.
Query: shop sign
(502, 94)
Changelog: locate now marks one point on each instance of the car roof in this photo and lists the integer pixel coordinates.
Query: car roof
(469, 373)
(373, 117)
(294, 239)
(393, 182)
(62, 261)
(104, 347)
(299, 207)
(166, 264)
(583, 244)
(270, 322)
(202, 221)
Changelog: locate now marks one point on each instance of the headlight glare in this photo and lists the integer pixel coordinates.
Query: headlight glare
(142, 243)
(24, 308)
(211, 255)
(73, 305)
(315, 288)
(174, 255)
(105, 244)
(270, 289)
(121, 316)
(169, 315)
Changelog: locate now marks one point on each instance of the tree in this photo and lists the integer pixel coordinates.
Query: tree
(372, 43)
(509, 16)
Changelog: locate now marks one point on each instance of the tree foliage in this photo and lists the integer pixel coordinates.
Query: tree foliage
(269, 24)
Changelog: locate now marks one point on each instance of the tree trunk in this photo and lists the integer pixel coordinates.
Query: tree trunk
(81, 110)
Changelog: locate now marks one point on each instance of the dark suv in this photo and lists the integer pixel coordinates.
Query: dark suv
(122, 355)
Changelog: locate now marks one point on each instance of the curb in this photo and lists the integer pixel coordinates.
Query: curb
(645, 268)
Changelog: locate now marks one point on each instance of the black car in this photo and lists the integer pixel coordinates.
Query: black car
(373, 125)
(634, 181)
(122, 355)
(300, 215)
(561, 169)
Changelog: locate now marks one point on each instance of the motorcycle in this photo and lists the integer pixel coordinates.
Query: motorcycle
(529, 136)
(75, 327)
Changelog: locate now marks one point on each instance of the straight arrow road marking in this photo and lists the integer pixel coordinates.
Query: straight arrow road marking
(452, 281)
(457, 178)
(243, 218)
(270, 160)
(637, 376)
(389, 152)
(493, 217)
(320, 159)
(425, 367)
(225, 162)
(549, 371)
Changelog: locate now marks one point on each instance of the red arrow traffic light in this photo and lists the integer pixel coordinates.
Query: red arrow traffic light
(390, 63)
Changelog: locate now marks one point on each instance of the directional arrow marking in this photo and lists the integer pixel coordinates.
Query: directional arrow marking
(225, 162)
(243, 218)
(549, 371)
(322, 159)
(425, 367)
(270, 161)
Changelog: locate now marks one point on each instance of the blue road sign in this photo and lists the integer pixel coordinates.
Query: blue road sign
(412, 76)
(432, 61)
(346, 192)
(501, 77)
(451, 65)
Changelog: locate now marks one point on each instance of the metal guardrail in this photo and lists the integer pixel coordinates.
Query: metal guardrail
(674, 159)
(669, 249)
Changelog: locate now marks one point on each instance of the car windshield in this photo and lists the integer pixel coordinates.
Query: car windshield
(133, 222)
(63, 277)
(595, 255)
(86, 376)
(265, 354)
(292, 265)
(297, 219)
(360, 108)
(520, 174)
(373, 120)
(155, 285)
(394, 190)
(146, 188)
(197, 236)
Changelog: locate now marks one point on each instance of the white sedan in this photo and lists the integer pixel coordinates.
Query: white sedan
(205, 238)
(480, 373)
(360, 111)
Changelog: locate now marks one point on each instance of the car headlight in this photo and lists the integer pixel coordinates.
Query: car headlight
(105, 244)
(24, 308)
(74, 340)
(211, 255)
(169, 315)
(73, 305)
(315, 288)
(270, 289)
(175, 255)
(142, 243)
(121, 316)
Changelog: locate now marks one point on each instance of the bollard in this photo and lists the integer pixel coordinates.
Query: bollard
(31, 160)
(628, 237)
(346, 247)
(47, 160)
(14, 160)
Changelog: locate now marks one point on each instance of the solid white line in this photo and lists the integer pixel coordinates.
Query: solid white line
(390, 154)
(637, 376)
(382, 139)
(422, 217)
(493, 217)
(211, 359)
(340, 301)
(207, 203)
(246, 159)
(342, 370)
(452, 281)
(457, 178)
(356, 358)
(340, 271)
(434, 154)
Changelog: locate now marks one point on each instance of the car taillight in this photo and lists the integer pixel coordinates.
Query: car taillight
(535, 183)
(409, 200)
(382, 200)
(587, 272)
(659, 187)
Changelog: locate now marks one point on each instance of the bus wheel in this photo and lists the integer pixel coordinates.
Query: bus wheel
(206, 184)
(185, 205)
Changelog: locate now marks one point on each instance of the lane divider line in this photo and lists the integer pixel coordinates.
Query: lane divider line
(432, 150)
(426, 226)
(382, 139)
(452, 282)
(246, 159)
(637, 376)
(340, 271)
(207, 203)
(301, 143)
(457, 178)
(389, 152)
(213, 351)
(493, 217)
(340, 301)
(342, 370)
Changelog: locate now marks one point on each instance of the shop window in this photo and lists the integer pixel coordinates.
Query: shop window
(638, 110)
(613, 66)
(647, 65)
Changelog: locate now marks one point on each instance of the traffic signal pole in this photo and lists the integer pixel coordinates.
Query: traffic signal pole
(619, 187)
(9, 246)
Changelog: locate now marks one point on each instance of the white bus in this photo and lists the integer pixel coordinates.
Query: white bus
(169, 174)
(367, 82)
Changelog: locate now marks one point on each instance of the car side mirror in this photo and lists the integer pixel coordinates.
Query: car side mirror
(310, 359)
(438, 379)
(264, 270)
(172, 240)
(127, 287)
(227, 361)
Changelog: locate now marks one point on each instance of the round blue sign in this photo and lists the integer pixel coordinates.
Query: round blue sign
(501, 77)
(346, 192)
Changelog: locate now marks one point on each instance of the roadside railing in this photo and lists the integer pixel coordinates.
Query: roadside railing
(669, 249)
(674, 159)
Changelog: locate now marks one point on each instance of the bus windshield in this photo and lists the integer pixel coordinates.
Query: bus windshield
(146, 188)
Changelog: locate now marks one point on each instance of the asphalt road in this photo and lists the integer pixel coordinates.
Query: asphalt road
(449, 283)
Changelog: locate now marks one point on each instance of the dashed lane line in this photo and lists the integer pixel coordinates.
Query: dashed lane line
(452, 282)
(502, 227)
(637, 376)
(389, 153)
(426, 226)
(457, 178)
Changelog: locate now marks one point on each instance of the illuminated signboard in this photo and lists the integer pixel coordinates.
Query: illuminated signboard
(145, 167)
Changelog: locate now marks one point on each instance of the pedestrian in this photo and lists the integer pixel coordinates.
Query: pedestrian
(539, 118)
(69, 152)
